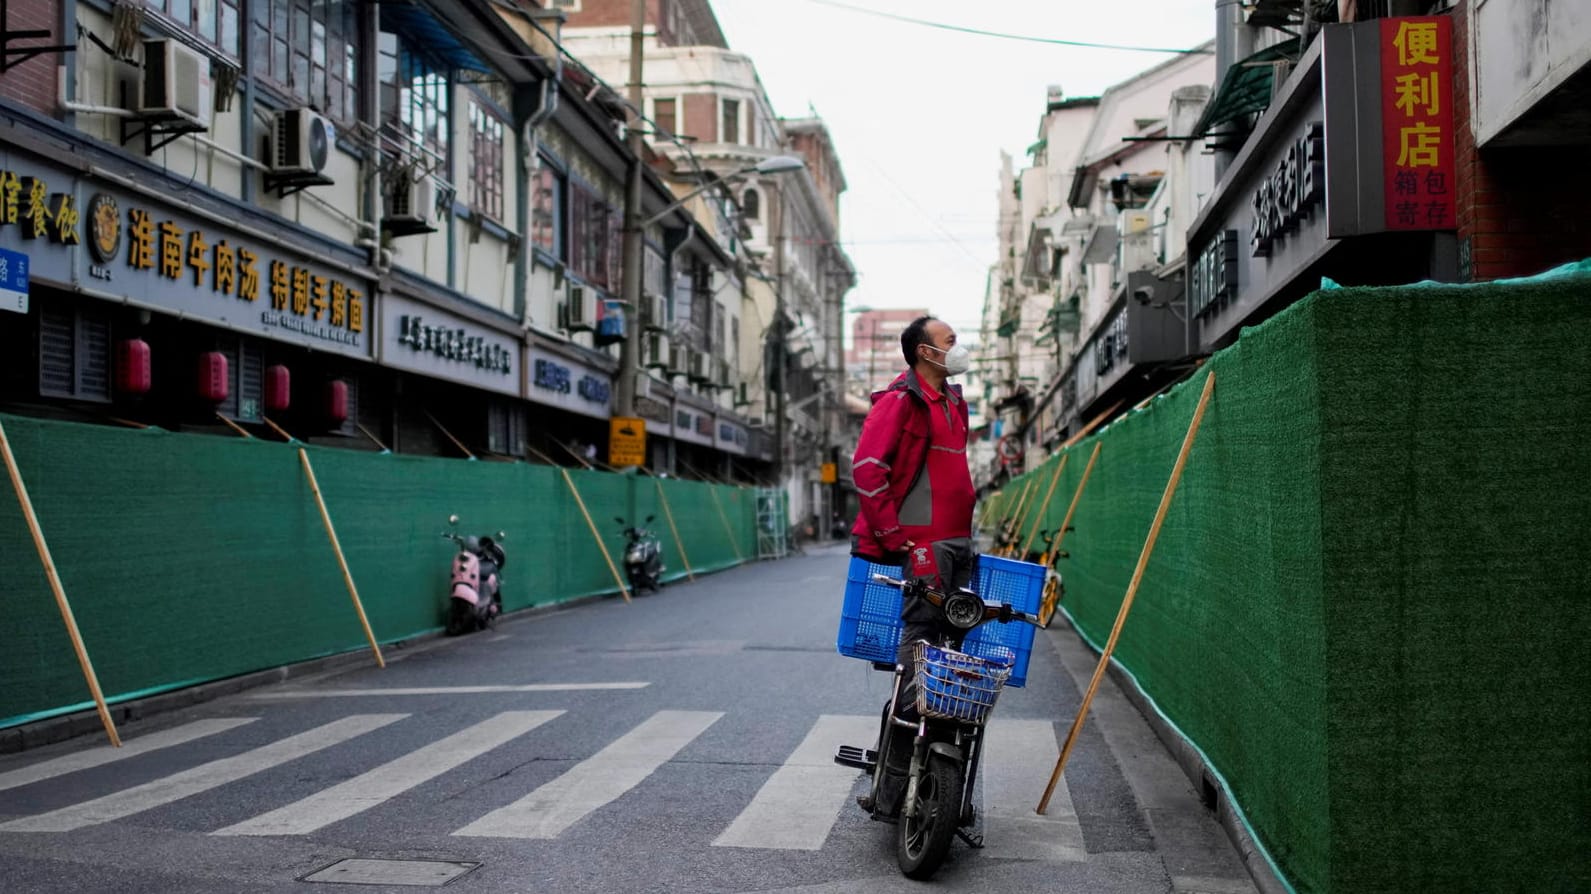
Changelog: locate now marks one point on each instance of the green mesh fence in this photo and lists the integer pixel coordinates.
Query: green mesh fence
(1369, 606)
(189, 558)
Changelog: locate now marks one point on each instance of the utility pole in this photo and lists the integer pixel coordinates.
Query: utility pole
(779, 346)
(630, 348)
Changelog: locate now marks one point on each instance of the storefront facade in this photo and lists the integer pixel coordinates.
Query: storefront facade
(1343, 177)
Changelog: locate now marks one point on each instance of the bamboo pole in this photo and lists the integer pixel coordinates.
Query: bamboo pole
(1054, 547)
(542, 456)
(1022, 513)
(59, 591)
(235, 427)
(669, 514)
(375, 440)
(279, 430)
(1093, 424)
(727, 528)
(1132, 591)
(456, 442)
(596, 535)
(1045, 506)
(578, 458)
(1016, 510)
(342, 560)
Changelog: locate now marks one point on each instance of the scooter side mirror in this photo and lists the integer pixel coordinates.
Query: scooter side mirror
(619, 520)
(649, 518)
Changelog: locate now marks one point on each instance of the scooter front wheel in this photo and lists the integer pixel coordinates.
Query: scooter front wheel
(460, 619)
(923, 839)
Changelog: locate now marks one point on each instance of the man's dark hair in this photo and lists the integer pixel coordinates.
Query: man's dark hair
(916, 333)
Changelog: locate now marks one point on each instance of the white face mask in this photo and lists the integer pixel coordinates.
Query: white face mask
(957, 360)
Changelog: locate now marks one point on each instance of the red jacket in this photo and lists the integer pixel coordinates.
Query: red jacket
(890, 457)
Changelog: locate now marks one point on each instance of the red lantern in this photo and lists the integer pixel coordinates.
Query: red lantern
(213, 376)
(337, 401)
(278, 388)
(132, 366)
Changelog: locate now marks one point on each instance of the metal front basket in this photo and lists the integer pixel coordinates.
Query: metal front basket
(956, 686)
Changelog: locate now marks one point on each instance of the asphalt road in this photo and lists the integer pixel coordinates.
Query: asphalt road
(681, 743)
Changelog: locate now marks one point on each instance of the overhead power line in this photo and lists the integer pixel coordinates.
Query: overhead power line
(1054, 41)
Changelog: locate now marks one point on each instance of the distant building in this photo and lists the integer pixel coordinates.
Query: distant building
(874, 357)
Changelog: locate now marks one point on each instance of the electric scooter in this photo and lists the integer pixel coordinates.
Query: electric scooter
(931, 733)
(643, 557)
(475, 590)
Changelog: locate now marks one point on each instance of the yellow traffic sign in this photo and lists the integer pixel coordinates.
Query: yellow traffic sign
(627, 441)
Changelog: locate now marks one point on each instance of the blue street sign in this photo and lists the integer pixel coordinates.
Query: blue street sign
(13, 281)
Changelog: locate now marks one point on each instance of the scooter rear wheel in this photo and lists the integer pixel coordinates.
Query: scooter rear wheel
(923, 839)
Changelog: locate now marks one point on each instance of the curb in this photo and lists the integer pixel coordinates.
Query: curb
(1211, 792)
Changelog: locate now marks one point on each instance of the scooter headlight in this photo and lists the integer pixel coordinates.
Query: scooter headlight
(963, 610)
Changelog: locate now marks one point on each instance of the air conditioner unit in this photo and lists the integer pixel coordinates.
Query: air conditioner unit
(301, 142)
(1136, 250)
(411, 203)
(657, 350)
(678, 359)
(700, 364)
(580, 309)
(755, 421)
(176, 83)
(657, 314)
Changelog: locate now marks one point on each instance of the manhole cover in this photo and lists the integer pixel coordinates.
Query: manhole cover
(420, 873)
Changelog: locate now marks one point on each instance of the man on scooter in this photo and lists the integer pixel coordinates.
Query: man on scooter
(913, 482)
(911, 473)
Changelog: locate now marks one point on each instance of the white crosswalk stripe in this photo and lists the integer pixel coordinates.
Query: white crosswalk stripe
(201, 778)
(391, 779)
(797, 806)
(1018, 758)
(596, 781)
(96, 757)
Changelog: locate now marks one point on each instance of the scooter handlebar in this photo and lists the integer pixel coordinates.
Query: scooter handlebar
(1014, 614)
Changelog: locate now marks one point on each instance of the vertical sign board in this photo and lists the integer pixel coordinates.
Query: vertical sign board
(627, 441)
(13, 281)
(1417, 122)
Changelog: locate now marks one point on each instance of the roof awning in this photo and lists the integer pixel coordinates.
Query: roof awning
(418, 22)
(1247, 87)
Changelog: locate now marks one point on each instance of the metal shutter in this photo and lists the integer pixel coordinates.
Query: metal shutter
(93, 358)
(57, 361)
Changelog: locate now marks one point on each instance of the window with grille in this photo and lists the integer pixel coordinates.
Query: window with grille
(665, 116)
(486, 162)
(307, 49)
(592, 226)
(414, 93)
(547, 210)
(213, 21)
(751, 204)
(74, 355)
(729, 131)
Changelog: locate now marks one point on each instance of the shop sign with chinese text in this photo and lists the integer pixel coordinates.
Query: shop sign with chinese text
(1417, 122)
(434, 342)
(570, 385)
(164, 258)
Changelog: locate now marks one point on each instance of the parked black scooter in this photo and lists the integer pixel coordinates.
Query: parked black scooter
(643, 557)
(931, 734)
(475, 589)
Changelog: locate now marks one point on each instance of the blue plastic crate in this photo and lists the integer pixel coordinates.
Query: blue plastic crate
(870, 618)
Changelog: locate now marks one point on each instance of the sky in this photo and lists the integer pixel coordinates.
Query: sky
(919, 115)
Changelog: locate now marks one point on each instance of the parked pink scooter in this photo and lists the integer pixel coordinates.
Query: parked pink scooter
(475, 591)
